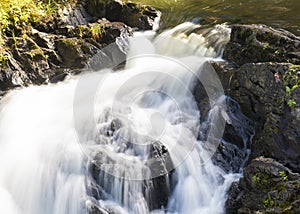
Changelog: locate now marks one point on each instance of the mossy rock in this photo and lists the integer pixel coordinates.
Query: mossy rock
(70, 51)
(260, 43)
(267, 187)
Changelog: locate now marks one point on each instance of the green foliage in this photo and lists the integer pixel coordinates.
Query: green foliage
(3, 59)
(266, 47)
(256, 178)
(283, 176)
(288, 90)
(16, 15)
(292, 82)
(97, 30)
(267, 202)
(291, 103)
(294, 68)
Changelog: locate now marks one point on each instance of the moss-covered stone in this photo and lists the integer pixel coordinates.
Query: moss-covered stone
(267, 187)
(3, 59)
(259, 43)
(70, 51)
(46, 41)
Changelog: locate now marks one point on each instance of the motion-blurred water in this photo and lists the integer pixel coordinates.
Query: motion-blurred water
(63, 153)
(276, 13)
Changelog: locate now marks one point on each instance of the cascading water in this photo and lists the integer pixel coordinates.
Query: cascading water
(120, 142)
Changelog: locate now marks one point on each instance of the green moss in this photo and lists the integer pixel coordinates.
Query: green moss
(291, 103)
(268, 202)
(36, 54)
(276, 130)
(97, 31)
(3, 60)
(294, 67)
(69, 43)
(283, 176)
(256, 178)
(17, 15)
(266, 47)
(291, 80)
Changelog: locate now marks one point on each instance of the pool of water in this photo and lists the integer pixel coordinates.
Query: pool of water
(276, 13)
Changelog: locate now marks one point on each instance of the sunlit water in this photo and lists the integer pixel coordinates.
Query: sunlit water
(51, 136)
(276, 13)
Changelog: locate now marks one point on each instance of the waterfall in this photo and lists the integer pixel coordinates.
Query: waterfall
(125, 141)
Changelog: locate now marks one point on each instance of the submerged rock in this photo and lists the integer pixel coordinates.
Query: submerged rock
(108, 168)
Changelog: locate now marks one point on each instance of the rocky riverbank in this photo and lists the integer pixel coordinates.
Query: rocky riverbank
(55, 45)
(262, 74)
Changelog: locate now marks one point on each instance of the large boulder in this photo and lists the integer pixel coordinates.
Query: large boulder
(268, 94)
(134, 15)
(267, 187)
(260, 43)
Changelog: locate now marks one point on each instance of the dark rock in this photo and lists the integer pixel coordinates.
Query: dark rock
(66, 42)
(132, 14)
(233, 151)
(93, 207)
(259, 78)
(155, 190)
(267, 186)
(260, 43)
(10, 79)
(260, 89)
(71, 53)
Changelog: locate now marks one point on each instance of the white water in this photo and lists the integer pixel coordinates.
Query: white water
(49, 134)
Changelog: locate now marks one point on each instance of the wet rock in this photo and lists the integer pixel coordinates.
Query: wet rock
(260, 89)
(110, 168)
(132, 14)
(233, 150)
(260, 43)
(267, 187)
(259, 78)
(93, 207)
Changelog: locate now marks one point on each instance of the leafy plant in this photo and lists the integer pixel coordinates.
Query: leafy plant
(97, 30)
(267, 202)
(291, 103)
(256, 178)
(266, 47)
(283, 176)
(3, 59)
(288, 90)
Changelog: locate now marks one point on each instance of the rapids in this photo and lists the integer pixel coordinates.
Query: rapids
(123, 141)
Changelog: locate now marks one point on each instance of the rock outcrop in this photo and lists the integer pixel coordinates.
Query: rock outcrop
(262, 74)
(260, 43)
(267, 187)
(62, 43)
